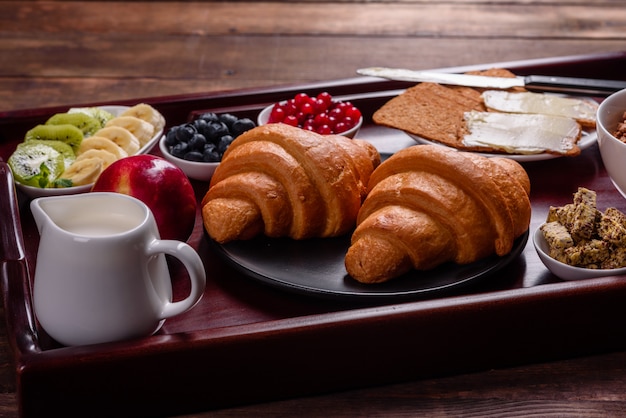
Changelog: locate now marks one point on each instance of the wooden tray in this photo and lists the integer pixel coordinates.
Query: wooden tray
(247, 342)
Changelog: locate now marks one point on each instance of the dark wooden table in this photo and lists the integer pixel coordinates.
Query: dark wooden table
(57, 53)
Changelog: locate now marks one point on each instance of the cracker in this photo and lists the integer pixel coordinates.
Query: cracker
(431, 111)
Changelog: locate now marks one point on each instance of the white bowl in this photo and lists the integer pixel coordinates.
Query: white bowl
(195, 170)
(612, 150)
(265, 115)
(565, 271)
(34, 192)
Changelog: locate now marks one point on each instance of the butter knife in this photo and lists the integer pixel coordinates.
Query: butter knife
(557, 84)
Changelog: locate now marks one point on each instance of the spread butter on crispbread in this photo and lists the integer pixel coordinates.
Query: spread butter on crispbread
(437, 113)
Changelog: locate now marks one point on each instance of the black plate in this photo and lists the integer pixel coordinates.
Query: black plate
(316, 267)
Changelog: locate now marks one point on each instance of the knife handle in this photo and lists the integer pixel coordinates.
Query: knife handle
(573, 85)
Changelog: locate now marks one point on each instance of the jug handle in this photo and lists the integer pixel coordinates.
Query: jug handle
(193, 263)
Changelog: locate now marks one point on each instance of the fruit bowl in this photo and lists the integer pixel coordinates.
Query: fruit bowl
(197, 170)
(313, 121)
(35, 192)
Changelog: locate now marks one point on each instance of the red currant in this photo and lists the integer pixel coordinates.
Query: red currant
(336, 112)
(300, 99)
(306, 108)
(277, 114)
(348, 122)
(326, 98)
(341, 127)
(321, 119)
(309, 124)
(319, 106)
(291, 120)
(324, 130)
(354, 113)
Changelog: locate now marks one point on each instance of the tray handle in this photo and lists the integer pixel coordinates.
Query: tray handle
(14, 269)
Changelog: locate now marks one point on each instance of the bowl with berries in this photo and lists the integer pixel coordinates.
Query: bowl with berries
(319, 113)
(197, 147)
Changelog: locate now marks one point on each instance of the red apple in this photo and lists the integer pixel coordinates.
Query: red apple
(162, 186)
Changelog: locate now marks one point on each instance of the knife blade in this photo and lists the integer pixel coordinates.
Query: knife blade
(557, 84)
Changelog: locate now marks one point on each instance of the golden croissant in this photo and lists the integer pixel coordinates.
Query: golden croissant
(283, 181)
(428, 205)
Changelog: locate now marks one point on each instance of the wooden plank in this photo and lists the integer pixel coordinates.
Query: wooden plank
(423, 20)
(96, 70)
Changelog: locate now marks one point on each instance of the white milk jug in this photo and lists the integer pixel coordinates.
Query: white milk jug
(101, 273)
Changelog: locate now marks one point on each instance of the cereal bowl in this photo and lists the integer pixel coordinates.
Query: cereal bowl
(196, 170)
(565, 271)
(612, 150)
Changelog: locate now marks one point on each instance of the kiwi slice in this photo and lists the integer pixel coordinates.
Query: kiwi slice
(36, 164)
(82, 121)
(64, 149)
(69, 134)
(95, 112)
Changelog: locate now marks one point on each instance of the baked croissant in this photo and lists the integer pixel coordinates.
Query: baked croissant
(283, 181)
(428, 205)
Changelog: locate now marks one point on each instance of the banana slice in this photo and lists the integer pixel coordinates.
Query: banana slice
(107, 157)
(138, 127)
(82, 172)
(148, 113)
(122, 137)
(98, 142)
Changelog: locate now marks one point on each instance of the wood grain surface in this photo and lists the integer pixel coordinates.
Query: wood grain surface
(56, 53)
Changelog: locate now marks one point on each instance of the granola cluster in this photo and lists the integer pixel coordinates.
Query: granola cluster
(620, 133)
(580, 235)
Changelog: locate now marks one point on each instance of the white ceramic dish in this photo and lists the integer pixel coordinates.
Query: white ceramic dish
(612, 150)
(34, 192)
(588, 138)
(564, 271)
(195, 170)
(265, 115)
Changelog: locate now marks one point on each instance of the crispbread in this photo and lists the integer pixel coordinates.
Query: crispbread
(431, 111)
(436, 113)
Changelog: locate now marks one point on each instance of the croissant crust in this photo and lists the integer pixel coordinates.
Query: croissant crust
(283, 181)
(428, 205)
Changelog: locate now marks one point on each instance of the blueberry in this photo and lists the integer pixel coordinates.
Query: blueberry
(204, 129)
(224, 143)
(179, 150)
(197, 142)
(193, 156)
(170, 137)
(211, 156)
(210, 146)
(185, 132)
(241, 126)
(209, 117)
(228, 119)
(215, 131)
(200, 124)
